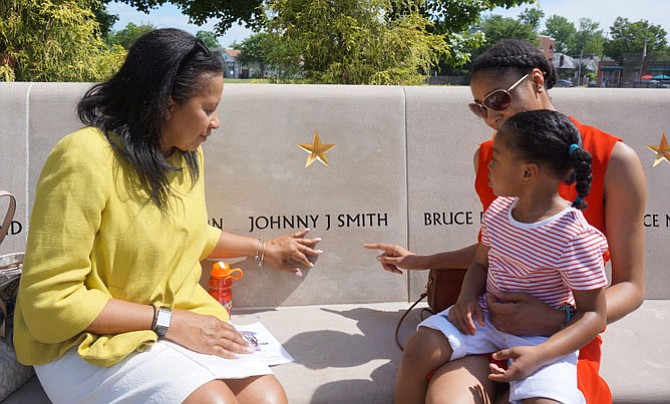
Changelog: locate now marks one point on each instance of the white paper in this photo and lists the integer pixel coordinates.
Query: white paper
(268, 349)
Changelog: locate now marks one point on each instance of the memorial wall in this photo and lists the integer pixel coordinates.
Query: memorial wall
(355, 164)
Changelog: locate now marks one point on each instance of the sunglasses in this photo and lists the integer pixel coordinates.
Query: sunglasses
(496, 100)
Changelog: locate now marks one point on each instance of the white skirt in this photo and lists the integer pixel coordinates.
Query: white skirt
(165, 373)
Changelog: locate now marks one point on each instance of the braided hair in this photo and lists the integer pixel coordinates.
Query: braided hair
(516, 55)
(550, 138)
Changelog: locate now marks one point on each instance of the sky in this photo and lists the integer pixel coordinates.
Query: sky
(602, 11)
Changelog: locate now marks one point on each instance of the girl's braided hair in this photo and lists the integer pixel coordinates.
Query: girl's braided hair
(518, 55)
(549, 138)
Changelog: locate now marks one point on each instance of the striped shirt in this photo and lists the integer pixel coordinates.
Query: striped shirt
(547, 259)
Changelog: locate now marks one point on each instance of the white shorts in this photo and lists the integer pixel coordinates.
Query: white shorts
(557, 381)
(165, 373)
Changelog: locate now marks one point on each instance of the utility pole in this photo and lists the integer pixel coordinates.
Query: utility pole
(582, 40)
(579, 69)
(644, 55)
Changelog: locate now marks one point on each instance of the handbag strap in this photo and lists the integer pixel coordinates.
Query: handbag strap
(397, 328)
(9, 215)
(3, 232)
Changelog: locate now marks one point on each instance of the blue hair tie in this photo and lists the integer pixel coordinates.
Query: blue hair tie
(578, 201)
(573, 147)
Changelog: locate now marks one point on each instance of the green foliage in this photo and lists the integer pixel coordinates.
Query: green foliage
(226, 13)
(354, 41)
(256, 49)
(563, 31)
(585, 40)
(55, 40)
(454, 19)
(493, 29)
(209, 38)
(127, 36)
(7, 73)
(453, 16)
(629, 37)
(259, 48)
(532, 17)
(589, 38)
(450, 15)
(105, 20)
(450, 18)
(497, 28)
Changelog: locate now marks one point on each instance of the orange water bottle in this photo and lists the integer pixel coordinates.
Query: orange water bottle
(220, 281)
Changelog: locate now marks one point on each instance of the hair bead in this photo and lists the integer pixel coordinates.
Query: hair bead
(573, 147)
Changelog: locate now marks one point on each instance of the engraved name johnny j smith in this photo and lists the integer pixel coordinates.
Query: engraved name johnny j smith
(357, 220)
(318, 221)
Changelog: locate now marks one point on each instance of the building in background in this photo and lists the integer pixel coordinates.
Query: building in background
(237, 70)
(547, 46)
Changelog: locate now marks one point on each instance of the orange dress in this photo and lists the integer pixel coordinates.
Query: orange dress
(600, 145)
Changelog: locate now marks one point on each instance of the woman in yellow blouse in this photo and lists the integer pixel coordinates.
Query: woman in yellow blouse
(110, 308)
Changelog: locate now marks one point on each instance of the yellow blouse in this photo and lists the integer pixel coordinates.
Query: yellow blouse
(94, 235)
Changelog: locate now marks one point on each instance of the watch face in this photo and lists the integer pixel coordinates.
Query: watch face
(163, 321)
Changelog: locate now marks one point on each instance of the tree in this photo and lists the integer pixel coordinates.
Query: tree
(226, 13)
(630, 37)
(105, 20)
(458, 15)
(354, 41)
(532, 17)
(497, 28)
(455, 18)
(209, 38)
(127, 36)
(588, 38)
(563, 31)
(450, 18)
(46, 40)
(259, 48)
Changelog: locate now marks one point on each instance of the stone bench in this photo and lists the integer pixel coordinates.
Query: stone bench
(402, 159)
(347, 353)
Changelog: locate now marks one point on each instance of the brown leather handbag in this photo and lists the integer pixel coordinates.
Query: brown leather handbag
(442, 290)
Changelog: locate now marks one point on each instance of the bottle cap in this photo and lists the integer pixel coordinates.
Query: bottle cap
(221, 269)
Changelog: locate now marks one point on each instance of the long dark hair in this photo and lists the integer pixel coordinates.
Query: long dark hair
(133, 104)
(550, 138)
(516, 55)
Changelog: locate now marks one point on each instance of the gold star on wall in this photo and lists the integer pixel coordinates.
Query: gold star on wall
(662, 151)
(316, 150)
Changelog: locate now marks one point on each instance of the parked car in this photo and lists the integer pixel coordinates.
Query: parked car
(563, 83)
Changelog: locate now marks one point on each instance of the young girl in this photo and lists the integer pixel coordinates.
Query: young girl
(533, 241)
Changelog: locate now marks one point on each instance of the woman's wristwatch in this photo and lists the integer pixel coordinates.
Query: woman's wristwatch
(162, 320)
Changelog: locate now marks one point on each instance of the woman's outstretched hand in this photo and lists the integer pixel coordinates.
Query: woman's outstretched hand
(289, 252)
(394, 257)
(206, 334)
